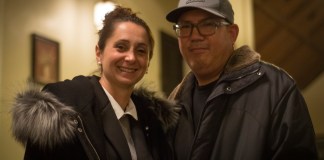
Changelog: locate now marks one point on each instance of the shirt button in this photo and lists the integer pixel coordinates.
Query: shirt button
(228, 89)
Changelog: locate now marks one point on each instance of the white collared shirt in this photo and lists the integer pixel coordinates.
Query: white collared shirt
(123, 120)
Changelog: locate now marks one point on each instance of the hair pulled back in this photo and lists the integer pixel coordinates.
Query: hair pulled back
(121, 14)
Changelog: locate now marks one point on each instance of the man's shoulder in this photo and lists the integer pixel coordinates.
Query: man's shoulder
(276, 74)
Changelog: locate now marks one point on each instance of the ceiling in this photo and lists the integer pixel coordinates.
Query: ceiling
(290, 34)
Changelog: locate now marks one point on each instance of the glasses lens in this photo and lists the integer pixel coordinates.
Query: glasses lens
(183, 29)
(207, 27)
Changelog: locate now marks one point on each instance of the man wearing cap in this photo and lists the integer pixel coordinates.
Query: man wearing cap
(234, 105)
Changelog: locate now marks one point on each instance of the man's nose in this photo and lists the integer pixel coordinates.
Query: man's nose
(195, 33)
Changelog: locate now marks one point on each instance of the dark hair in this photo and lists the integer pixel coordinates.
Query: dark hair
(121, 14)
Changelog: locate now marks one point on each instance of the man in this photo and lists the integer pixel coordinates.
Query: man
(234, 106)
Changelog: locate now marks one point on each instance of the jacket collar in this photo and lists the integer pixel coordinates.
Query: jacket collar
(239, 64)
(241, 58)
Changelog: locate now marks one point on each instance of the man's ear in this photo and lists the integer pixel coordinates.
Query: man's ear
(234, 31)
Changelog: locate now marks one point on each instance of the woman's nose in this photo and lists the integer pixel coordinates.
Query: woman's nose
(130, 56)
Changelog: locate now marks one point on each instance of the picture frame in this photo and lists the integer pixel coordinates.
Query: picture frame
(45, 59)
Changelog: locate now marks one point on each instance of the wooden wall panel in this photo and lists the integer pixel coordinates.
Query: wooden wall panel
(290, 34)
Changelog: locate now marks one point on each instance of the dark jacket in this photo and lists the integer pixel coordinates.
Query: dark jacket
(74, 119)
(255, 112)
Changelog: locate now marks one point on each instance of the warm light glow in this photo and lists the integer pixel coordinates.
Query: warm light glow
(101, 8)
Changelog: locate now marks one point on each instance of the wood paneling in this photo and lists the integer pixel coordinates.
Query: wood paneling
(290, 34)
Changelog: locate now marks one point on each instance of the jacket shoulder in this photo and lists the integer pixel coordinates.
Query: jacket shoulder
(75, 92)
(44, 117)
(40, 118)
(276, 73)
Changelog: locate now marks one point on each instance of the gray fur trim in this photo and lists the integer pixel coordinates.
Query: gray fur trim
(166, 111)
(241, 57)
(39, 118)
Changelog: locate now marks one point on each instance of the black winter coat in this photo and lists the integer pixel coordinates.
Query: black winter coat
(74, 119)
(255, 112)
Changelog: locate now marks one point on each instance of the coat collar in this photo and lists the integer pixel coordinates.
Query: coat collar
(241, 58)
(240, 63)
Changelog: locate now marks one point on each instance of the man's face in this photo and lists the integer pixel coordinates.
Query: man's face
(206, 55)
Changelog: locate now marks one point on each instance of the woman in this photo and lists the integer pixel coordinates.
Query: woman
(100, 117)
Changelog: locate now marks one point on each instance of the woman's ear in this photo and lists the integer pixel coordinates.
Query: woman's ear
(98, 54)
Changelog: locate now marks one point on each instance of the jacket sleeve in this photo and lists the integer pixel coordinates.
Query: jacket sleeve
(292, 134)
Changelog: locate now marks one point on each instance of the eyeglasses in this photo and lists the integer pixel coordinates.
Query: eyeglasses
(205, 28)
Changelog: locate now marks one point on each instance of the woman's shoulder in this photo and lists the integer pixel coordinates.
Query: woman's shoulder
(77, 83)
(74, 91)
(165, 111)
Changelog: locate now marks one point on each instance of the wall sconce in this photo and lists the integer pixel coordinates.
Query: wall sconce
(100, 9)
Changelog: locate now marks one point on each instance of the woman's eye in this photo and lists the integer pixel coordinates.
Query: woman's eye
(142, 50)
(121, 47)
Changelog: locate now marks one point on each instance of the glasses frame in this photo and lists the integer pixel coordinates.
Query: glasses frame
(177, 27)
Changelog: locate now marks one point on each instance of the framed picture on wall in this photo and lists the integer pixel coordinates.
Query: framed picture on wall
(45, 59)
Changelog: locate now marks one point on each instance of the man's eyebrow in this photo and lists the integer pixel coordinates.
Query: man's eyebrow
(205, 19)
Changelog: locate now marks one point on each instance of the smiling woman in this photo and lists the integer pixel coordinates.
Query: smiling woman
(100, 117)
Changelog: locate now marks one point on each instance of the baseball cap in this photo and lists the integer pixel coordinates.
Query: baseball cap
(221, 8)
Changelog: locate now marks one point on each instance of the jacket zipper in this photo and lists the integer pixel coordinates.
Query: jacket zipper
(239, 77)
(200, 119)
(196, 132)
(87, 138)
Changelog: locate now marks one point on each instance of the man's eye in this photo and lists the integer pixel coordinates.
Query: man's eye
(208, 24)
(184, 26)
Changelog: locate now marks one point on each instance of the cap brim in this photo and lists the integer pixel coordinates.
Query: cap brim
(174, 15)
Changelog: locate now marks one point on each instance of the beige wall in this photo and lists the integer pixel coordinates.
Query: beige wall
(1, 53)
(70, 23)
(1, 47)
(2, 133)
(314, 96)
(243, 17)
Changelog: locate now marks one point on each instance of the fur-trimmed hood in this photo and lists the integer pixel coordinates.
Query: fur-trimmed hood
(39, 117)
(165, 110)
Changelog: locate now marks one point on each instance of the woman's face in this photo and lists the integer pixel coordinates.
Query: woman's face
(125, 58)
